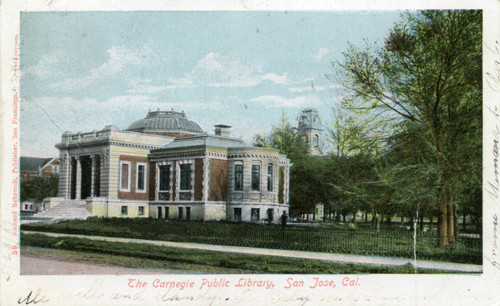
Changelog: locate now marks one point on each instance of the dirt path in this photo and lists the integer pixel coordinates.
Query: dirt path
(40, 264)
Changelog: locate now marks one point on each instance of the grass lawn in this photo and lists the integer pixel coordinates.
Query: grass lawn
(154, 257)
(335, 239)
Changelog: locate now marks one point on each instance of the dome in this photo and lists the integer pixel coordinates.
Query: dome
(168, 123)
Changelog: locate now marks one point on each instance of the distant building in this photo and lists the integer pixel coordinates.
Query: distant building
(311, 129)
(164, 166)
(31, 167)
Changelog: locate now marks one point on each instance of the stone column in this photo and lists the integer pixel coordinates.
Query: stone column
(287, 184)
(64, 176)
(78, 178)
(92, 175)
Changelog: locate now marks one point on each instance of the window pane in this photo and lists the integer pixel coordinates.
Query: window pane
(255, 177)
(186, 177)
(124, 178)
(238, 177)
(140, 177)
(164, 178)
(270, 178)
(255, 214)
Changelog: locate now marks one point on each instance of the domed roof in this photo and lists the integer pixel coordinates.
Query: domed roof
(165, 122)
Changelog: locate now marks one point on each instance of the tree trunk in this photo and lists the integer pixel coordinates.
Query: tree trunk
(421, 223)
(366, 217)
(389, 219)
(402, 219)
(343, 217)
(412, 224)
(378, 224)
(451, 224)
(443, 224)
(463, 221)
(431, 220)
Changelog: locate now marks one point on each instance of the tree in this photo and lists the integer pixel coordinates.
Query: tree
(353, 133)
(39, 188)
(285, 139)
(428, 72)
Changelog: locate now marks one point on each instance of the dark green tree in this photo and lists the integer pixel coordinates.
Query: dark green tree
(428, 72)
(39, 188)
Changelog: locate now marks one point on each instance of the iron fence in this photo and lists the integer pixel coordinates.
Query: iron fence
(362, 241)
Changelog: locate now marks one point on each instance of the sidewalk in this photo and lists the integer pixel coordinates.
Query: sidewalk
(338, 258)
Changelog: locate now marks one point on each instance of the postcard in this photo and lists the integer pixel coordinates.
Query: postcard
(307, 153)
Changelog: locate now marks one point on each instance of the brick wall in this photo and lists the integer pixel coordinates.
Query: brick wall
(218, 180)
(152, 181)
(198, 179)
(133, 194)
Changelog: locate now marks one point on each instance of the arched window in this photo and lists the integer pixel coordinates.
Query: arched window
(316, 141)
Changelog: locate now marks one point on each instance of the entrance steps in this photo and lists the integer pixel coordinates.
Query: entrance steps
(69, 209)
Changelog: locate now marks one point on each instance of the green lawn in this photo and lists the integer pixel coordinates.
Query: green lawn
(334, 238)
(155, 257)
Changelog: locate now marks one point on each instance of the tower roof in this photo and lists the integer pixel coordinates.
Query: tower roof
(309, 119)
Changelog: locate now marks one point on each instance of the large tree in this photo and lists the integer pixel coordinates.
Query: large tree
(428, 72)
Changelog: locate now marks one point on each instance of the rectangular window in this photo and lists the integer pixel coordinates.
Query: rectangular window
(238, 177)
(124, 211)
(141, 210)
(237, 214)
(166, 212)
(164, 177)
(186, 177)
(124, 176)
(159, 213)
(270, 178)
(141, 178)
(185, 186)
(255, 212)
(180, 214)
(270, 214)
(255, 177)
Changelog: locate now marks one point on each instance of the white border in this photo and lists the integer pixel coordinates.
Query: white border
(122, 162)
(375, 289)
(137, 190)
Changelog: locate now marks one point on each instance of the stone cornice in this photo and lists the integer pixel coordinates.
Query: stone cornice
(253, 155)
(160, 156)
(107, 142)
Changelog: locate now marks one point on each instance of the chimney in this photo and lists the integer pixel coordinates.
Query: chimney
(222, 130)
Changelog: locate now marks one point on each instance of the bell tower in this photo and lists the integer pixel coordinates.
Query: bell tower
(311, 129)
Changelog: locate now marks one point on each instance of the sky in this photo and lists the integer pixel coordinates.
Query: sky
(81, 71)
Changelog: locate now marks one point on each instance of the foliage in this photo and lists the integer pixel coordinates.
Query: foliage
(353, 133)
(285, 139)
(427, 73)
(39, 188)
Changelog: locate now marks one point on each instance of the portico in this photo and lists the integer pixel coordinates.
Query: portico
(85, 176)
